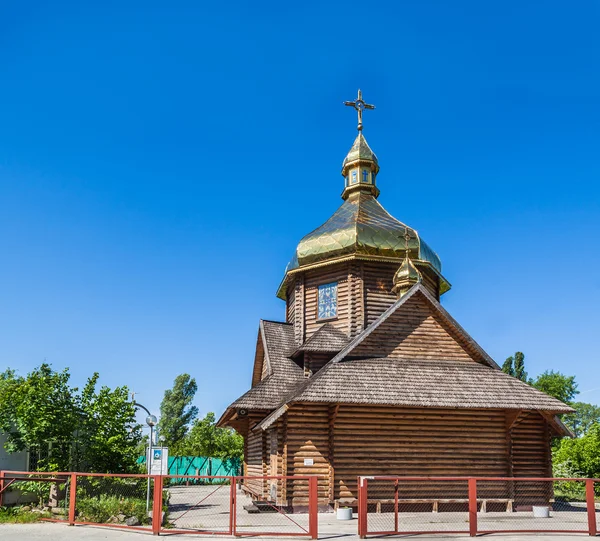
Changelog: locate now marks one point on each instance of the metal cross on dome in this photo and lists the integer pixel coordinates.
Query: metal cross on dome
(360, 106)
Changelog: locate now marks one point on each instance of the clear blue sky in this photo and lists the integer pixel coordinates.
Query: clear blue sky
(160, 161)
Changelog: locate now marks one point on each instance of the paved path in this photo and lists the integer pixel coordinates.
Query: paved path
(62, 532)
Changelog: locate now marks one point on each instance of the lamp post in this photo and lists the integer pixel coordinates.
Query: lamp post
(151, 421)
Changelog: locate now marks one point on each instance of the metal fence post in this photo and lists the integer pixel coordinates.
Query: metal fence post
(72, 499)
(591, 506)
(472, 507)
(157, 504)
(232, 510)
(313, 508)
(1, 487)
(362, 507)
(396, 506)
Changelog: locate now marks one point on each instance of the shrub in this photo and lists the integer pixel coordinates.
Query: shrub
(103, 507)
(568, 490)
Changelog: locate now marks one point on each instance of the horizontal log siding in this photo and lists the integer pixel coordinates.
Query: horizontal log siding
(356, 304)
(255, 461)
(417, 441)
(313, 279)
(413, 332)
(431, 282)
(307, 437)
(259, 370)
(531, 457)
(315, 361)
(378, 282)
(290, 313)
(299, 308)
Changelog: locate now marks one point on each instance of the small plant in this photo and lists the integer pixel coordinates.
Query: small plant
(38, 489)
(19, 515)
(103, 508)
(569, 491)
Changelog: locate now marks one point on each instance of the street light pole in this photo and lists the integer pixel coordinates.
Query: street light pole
(151, 421)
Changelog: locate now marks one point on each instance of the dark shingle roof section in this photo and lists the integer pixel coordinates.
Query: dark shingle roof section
(327, 339)
(443, 383)
(284, 375)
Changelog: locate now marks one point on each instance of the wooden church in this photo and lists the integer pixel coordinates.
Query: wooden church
(370, 375)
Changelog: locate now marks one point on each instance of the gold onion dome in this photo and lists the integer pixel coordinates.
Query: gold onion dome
(406, 277)
(361, 228)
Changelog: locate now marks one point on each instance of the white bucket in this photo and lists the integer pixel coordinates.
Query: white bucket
(344, 513)
(541, 511)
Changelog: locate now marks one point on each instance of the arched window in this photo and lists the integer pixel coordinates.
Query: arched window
(353, 177)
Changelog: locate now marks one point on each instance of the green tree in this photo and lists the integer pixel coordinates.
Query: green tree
(555, 384)
(582, 420)
(581, 454)
(43, 412)
(515, 366)
(39, 410)
(176, 411)
(508, 367)
(206, 439)
(520, 366)
(108, 431)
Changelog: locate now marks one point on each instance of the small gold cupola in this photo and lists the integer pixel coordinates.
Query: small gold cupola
(407, 275)
(360, 166)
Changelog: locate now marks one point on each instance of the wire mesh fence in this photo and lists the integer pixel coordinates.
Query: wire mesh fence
(273, 514)
(46, 494)
(124, 500)
(414, 505)
(171, 504)
(199, 504)
(533, 505)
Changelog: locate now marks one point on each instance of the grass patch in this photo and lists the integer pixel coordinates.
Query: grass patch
(16, 515)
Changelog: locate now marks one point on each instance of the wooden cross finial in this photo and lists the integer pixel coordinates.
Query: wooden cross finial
(359, 105)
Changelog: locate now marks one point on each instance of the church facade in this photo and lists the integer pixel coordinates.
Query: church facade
(368, 374)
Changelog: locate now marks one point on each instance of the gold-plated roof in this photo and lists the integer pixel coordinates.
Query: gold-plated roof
(406, 276)
(360, 151)
(361, 226)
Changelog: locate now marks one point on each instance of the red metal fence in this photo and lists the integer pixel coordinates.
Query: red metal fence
(167, 504)
(394, 505)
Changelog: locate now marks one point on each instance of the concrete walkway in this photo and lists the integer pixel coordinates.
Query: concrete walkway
(62, 532)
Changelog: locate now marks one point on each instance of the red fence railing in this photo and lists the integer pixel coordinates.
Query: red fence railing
(395, 505)
(171, 504)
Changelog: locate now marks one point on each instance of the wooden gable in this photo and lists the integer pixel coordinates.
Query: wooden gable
(417, 327)
(261, 363)
(414, 331)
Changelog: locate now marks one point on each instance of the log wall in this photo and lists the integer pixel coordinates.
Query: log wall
(531, 457)
(415, 332)
(364, 293)
(348, 441)
(315, 361)
(256, 456)
(313, 279)
(307, 438)
(378, 282)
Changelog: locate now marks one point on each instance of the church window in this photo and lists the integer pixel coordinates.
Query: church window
(365, 176)
(328, 300)
(353, 177)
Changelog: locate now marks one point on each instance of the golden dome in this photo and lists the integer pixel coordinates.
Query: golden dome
(362, 228)
(406, 277)
(360, 151)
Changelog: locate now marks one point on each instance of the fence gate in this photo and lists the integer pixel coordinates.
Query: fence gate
(389, 505)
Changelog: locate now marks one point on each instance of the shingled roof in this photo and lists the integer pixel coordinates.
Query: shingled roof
(419, 383)
(283, 373)
(327, 339)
